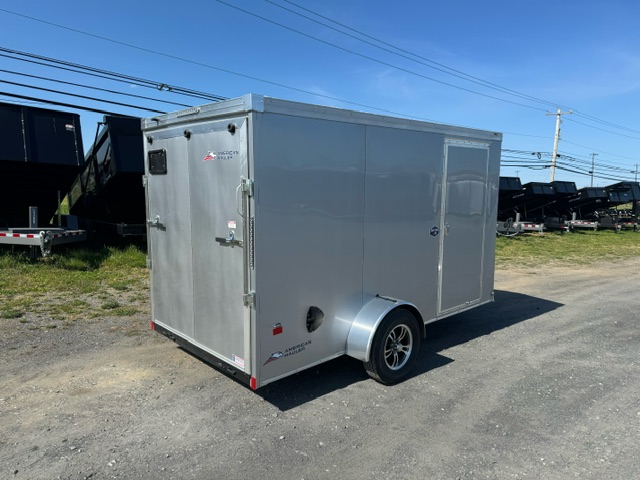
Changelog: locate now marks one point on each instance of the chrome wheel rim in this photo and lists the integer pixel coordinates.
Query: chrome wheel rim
(398, 347)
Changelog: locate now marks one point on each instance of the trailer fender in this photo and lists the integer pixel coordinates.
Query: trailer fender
(365, 324)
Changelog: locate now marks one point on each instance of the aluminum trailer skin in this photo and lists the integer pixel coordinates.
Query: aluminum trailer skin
(282, 234)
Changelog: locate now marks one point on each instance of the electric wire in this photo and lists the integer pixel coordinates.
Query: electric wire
(161, 86)
(263, 80)
(601, 151)
(592, 118)
(61, 104)
(436, 65)
(602, 129)
(128, 78)
(212, 67)
(381, 62)
(405, 54)
(76, 95)
(141, 97)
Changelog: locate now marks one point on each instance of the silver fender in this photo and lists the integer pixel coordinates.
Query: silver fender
(365, 324)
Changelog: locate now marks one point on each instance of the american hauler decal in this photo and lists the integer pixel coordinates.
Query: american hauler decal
(294, 350)
(222, 155)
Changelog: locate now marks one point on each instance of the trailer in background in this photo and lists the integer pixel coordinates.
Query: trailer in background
(40, 155)
(282, 235)
(625, 193)
(109, 196)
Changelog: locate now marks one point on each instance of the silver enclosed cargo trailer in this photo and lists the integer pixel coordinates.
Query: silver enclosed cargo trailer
(282, 234)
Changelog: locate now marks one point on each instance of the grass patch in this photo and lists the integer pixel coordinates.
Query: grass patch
(75, 270)
(582, 247)
(125, 311)
(65, 285)
(110, 305)
(11, 313)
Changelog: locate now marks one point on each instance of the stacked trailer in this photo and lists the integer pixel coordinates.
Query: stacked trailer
(531, 206)
(555, 217)
(282, 235)
(508, 198)
(40, 155)
(109, 195)
(534, 207)
(620, 194)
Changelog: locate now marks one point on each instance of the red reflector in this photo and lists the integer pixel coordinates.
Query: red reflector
(253, 383)
(277, 329)
(153, 326)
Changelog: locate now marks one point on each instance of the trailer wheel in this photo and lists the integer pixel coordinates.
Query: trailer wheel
(395, 348)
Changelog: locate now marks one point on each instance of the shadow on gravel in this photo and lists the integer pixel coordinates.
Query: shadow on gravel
(508, 309)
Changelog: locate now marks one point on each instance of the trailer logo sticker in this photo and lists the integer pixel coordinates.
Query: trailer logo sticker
(434, 231)
(274, 356)
(224, 155)
(294, 350)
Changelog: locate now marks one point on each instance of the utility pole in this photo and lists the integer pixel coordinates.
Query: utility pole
(593, 164)
(558, 114)
(636, 172)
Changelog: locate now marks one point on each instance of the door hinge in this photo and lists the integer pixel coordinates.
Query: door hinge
(247, 186)
(249, 299)
(144, 181)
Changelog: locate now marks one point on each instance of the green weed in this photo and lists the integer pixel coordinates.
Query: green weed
(11, 313)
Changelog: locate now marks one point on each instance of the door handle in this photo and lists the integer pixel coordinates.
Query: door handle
(230, 241)
(156, 223)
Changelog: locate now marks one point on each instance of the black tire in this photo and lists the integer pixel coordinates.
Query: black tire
(395, 348)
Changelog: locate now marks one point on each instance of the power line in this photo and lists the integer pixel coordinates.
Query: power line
(112, 75)
(197, 63)
(47, 79)
(381, 62)
(83, 96)
(601, 151)
(433, 64)
(603, 130)
(404, 54)
(60, 104)
(205, 65)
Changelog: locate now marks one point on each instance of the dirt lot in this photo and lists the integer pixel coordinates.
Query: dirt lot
(542, 384)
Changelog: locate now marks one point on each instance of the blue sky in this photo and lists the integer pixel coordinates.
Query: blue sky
(579, 55)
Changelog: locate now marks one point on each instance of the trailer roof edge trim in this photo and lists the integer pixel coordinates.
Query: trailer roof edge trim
(259, 103)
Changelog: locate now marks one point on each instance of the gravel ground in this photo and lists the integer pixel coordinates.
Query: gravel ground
(542, 384)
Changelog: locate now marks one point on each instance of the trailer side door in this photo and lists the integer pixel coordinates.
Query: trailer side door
(464, 220)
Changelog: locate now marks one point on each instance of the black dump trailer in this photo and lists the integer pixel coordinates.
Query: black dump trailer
(509, 197)
(586, 201)
(524, 203)
(555, 215)
(40, 156)
(109, 194)
(623, 193)
(536, 196)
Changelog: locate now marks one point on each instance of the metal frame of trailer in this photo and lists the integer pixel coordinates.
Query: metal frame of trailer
(40, 238)
(44, 239)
